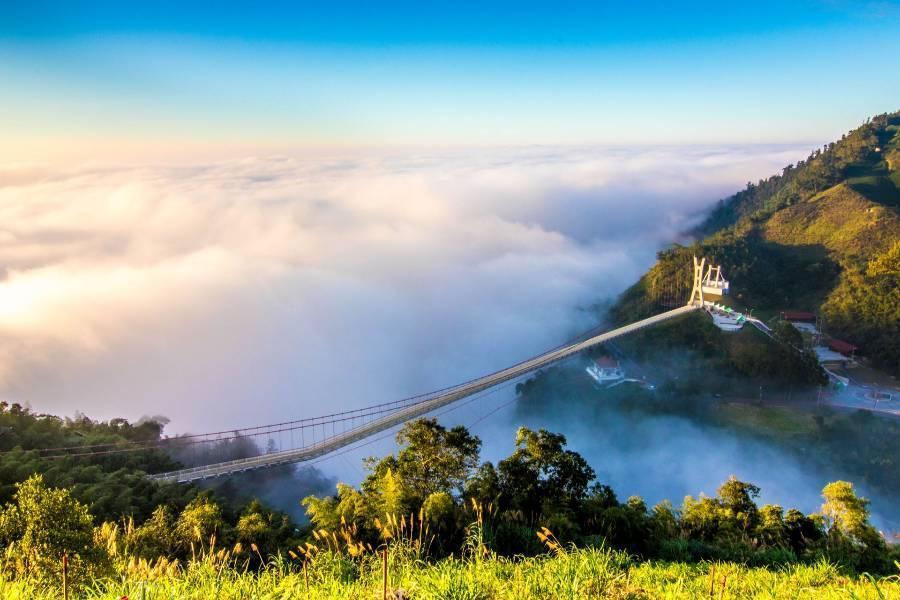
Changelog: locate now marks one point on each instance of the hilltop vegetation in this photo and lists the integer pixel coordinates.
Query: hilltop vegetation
(822, 236)
(866, 158)
(114, 485)
(433, 501)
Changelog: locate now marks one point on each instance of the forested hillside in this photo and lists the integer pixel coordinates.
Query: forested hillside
(86, 457)
(822, 236)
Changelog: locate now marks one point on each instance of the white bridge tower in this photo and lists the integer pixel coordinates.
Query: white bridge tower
(708, 281)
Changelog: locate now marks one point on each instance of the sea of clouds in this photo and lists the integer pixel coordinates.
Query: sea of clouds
(241, 292)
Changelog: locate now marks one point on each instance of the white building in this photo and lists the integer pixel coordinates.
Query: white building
(606, 371)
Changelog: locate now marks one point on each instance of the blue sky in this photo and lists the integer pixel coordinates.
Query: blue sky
(115, 74)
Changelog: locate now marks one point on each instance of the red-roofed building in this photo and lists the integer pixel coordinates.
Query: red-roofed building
(606, 370)
(845, 348)
(798, 315)
(606, 362)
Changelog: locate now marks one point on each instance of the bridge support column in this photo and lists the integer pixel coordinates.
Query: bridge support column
(696, 298)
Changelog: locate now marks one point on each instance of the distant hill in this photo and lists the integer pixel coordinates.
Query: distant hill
(824, 235)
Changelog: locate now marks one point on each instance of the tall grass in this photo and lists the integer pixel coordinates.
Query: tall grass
(335, 565)
(572, 573)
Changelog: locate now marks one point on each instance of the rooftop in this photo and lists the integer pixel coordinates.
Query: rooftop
(842, 346)
(606, 362)
(798, 315)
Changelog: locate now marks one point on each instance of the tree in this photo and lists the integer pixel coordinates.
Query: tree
(627, 525)
(664, 520)
(484, 485)
(439, 510)
(786, 333)
(42, 525)
(737, 499)
(801, 531)
(156, 536)
(253, 528)
(200, 521)
(701, 518)
(390, 496)
(432, 459)
(770, 529)
(347, 507)
(542, 471)
(263, 527)
(843, 509)
(850, 536)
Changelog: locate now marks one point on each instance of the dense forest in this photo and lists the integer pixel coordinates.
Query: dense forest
(114, 485)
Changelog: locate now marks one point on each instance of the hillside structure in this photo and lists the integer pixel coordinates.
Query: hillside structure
(606, 370)
(708, 281)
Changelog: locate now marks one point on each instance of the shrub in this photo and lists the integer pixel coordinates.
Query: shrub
(42, 525)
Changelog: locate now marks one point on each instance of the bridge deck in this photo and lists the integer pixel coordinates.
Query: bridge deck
(411, 412)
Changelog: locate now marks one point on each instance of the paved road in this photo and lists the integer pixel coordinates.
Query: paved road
(859, 397)
(411, 412)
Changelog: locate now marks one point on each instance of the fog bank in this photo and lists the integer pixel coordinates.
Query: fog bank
(242, 292)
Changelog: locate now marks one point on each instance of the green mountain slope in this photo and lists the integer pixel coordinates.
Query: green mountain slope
(822, 236)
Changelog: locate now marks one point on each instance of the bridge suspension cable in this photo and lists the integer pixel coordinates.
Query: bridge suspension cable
(182, 442)
(358, 424)
(327, 444)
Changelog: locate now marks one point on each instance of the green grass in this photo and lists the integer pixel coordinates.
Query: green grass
(768, 420)
(878, 188)
(840, 220)
(583, 573)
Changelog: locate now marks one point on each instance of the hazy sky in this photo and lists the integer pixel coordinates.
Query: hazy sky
(113, 79)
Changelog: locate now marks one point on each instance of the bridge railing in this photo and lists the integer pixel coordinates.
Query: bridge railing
(427, 403)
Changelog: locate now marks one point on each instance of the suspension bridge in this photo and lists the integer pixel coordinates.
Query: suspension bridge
(303, 440)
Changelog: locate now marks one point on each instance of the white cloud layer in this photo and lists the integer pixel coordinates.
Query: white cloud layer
(246, 291)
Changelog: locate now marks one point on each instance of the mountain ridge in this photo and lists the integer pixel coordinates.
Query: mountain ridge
(824, 235)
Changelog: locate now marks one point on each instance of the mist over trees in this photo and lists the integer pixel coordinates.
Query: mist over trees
(436, 481)
(430, 493)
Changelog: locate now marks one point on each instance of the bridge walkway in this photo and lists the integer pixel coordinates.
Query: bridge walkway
(408, 413)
